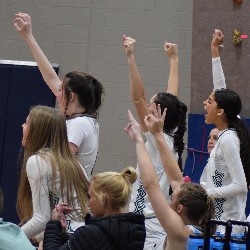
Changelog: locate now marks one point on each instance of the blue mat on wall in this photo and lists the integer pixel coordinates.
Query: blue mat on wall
(198, 133)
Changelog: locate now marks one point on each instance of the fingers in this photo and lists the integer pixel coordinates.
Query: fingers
(128, 41)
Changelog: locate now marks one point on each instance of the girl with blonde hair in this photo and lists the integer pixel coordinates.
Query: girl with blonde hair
(50, 174)
(111, 227)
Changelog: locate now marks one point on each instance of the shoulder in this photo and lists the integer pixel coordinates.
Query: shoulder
(228, 137)
(38, 163)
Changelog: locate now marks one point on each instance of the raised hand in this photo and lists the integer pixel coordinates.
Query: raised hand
(171, 50)
(217, 38)
(129, 45)
(22, 23)
(133, 129)
(155, 122)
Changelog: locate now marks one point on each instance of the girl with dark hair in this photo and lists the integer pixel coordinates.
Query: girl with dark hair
(190, 206)
(79, 96)
(50, 174)
(174, 129)
(228, 168)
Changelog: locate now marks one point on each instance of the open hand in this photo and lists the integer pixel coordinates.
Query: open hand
(22, 23)
(155, 122)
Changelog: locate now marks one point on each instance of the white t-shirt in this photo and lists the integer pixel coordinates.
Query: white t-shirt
(139, 199)
(39, 172)
(224, 179)
(84, 133)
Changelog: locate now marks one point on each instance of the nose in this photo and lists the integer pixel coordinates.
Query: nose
(205, 102)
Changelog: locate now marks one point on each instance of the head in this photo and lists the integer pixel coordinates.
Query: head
(44, 128)
(109, 192)
(223, 105)
(192, 203)
(45, 134)
(173, 105)
(82, 89)
(212, 139)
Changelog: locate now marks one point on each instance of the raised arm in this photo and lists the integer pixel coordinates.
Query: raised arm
(217, 70)
(171, 51)
(22, 24)
(154, 123)
(169, 219)
(137, 90)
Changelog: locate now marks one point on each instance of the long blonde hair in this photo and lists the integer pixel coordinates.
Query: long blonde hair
(48, 133)
(115, 188)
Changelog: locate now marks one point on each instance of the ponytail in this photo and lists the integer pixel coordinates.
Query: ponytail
(179, 134)
(244, 136)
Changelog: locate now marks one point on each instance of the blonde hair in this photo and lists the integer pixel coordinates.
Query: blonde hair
(114, 188)
(47, 137)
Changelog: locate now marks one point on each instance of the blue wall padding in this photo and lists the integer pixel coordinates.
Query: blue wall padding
(21, 88)
(198, 133)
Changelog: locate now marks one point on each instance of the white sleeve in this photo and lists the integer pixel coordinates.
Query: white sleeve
(231, 151)
(77, 131)
(203, 178)
(37, 172)
(218, 74)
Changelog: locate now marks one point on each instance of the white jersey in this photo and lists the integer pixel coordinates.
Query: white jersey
(139, 199)
(224, 179)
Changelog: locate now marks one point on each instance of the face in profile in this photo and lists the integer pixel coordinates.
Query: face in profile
(212, 139)
(96, 207)
(210, 105)
(26, 127)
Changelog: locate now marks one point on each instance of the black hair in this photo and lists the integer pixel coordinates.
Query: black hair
(88, 89)
(175, 118)
(230, 102)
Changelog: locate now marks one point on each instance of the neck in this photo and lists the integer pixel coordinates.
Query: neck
(221, 125)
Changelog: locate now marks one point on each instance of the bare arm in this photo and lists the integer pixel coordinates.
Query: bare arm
(169, 219)
(171, 51)
(154, 123)
(137, 90)
(22, 24)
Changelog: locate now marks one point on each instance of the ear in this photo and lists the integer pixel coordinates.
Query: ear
(72, 97)
(180, 209)
(220, 112)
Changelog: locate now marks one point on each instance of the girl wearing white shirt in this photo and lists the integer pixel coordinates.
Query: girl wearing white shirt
(50, 174)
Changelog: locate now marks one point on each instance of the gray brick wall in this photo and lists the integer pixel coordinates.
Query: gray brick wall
(86, 35)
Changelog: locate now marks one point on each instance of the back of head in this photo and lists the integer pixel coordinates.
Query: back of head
(88, 90)
(175, 118)
(115, 188)
(229, 101)
(199, 207)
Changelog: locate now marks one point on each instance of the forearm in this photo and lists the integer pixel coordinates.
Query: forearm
(147, 171)
(47, 71)
(35, 226)
(169, 163)
(136, 84)
(173, 80)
